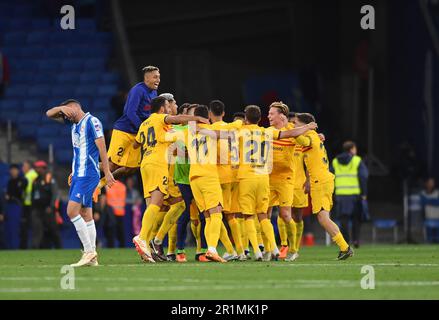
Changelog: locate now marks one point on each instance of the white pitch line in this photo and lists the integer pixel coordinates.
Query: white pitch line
(303, 284)
(243, 265)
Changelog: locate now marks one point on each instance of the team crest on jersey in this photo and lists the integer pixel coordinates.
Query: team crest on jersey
(75, 140)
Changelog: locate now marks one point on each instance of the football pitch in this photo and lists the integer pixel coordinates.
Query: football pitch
(399, 272)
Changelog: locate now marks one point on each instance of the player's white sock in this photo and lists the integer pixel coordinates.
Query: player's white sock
(212, 249)
(81, 230)
(91, 228)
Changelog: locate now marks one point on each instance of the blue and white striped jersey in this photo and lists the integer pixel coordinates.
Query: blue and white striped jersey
(85, 152)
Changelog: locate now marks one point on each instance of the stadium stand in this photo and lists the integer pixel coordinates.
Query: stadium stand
(49, 65)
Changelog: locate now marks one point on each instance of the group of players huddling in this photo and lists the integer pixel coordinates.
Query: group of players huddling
(196, 167)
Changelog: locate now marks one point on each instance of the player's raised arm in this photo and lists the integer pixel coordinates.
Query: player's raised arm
(183, 118)
(293, 133)
(100, 143)
(58, 113)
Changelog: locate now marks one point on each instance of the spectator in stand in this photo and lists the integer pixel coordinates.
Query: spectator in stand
(4, 73)
(133, 195)
(30, 174)
(430, 205)
(116, 199)
(45, 231)
(134, 201)
(104, 216)
(16, 186)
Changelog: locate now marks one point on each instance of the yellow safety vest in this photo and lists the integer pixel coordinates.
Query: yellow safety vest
(30, 176)
(346, 177)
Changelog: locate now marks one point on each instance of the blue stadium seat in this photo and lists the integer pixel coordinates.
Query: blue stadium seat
(86, 24)
(59, 37)
(110, 78)
(107, 90)
(72, 65)
(17, 90)
(99, 51)
(10, 104)
(30, 117)
(40, 90)
(85, 90)
(22, 77)
(95, 64)
(11, 51)
(40, 24)
(32, 51)
(56, 51)
(14, 38)
(101, 103)
(26, 131)
(68, 78)
(24, 64)
(48, 130)
(48, 64)
(33, 104)
(45, 77)
(385, 224)
(90, 77)
(6, 115)
(65, 90)
(38, 37)
(18, 24)
(84, 100)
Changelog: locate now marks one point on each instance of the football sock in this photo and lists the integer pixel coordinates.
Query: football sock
(251, 233)
(196, 231)
(236, 235)
(291, 232)
(214, 230)
(148, 219)
(172, 239)
(268, 230)
(170, 219)
(207, 230)
(157, 224)
(225, 240)
(258, 231)
(340, 241)
(91, 228)
(282, 231)
(244, 237)
(299, 233)
(267, 245)
(81, 230)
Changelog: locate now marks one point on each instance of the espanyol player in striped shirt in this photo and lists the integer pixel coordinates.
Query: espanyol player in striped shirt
(88, 146)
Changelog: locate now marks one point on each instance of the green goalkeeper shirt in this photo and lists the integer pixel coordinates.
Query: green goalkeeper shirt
(182, 166)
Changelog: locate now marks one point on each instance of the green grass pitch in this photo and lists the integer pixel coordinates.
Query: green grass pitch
(401, 272)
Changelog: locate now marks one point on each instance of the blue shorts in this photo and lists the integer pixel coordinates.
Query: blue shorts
(82, 189)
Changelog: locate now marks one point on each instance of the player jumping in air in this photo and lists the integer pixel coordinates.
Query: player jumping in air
(124, 159)
(88, 146)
